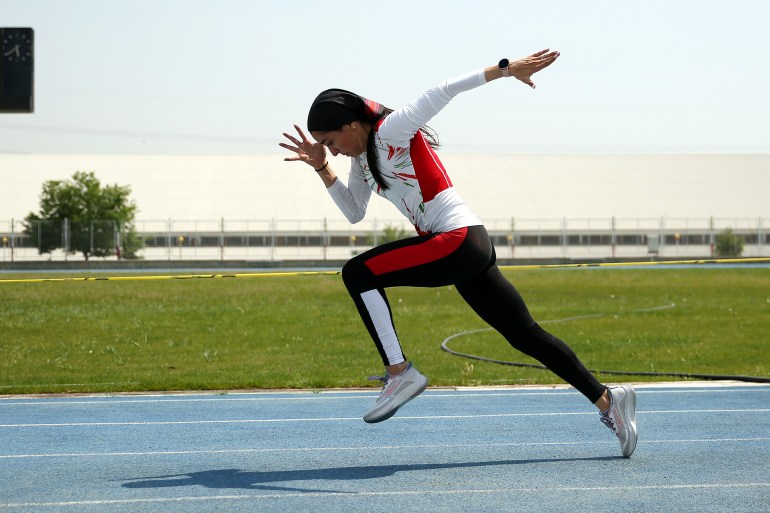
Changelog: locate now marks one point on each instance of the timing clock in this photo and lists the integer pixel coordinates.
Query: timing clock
(17, 45)
(16, 69)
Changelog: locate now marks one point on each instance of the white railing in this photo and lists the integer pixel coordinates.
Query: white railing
(335, 239)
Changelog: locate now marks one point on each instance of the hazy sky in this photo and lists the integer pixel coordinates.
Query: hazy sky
(228, 76)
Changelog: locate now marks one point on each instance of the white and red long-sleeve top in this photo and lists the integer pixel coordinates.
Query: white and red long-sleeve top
(418, 184)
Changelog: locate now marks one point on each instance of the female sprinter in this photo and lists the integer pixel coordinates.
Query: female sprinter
(392, 154)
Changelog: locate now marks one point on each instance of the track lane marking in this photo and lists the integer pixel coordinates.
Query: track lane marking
(355, 395)
(678, 387)
(363, 448)
(348, 419)
(606, 489)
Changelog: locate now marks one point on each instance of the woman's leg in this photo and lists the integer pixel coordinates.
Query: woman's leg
(425, 261)
(498, 302)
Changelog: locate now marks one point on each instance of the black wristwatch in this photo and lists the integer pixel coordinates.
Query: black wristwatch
(503, 64)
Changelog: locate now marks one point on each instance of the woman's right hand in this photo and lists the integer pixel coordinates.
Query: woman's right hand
(307, 151)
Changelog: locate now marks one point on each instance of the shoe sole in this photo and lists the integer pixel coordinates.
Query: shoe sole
(392, 412)
(630, 416)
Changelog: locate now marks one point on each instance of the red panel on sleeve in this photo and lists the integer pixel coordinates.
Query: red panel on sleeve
(430, 172)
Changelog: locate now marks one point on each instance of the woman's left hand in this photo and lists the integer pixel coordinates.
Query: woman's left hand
(524, 68)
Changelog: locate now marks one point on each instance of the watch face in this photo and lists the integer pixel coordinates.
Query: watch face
(503, 63)
(17, 45)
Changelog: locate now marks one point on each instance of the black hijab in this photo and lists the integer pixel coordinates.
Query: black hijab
(335, 108)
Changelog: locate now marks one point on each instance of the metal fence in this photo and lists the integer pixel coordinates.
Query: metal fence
(322, 239)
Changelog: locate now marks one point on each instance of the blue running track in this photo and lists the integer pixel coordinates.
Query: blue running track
(703, 447)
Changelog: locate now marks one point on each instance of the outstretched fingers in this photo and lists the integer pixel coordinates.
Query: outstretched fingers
(524, 68)
(300, 132)
(543, 59)
(297, 144)
(293, 139)
(306, 150)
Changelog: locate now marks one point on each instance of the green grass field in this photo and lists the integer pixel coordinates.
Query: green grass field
(303, 331)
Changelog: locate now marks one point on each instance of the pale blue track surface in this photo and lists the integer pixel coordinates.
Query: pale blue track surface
(702, 447)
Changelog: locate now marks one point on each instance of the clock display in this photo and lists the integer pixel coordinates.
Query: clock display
(17, 45)
(17, 69)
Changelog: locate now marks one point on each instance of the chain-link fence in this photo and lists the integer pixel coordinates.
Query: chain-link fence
(63, 240)
(322, 239)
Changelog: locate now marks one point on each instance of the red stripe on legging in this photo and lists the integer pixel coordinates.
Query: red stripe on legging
(407, 257)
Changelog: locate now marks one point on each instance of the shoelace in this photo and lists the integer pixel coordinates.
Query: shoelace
(384, 380)
(608, 421)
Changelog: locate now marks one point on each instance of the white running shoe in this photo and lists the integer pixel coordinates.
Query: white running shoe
(621, 417)
(397, 391)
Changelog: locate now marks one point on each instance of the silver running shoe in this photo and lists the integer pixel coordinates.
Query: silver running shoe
(621, 417)
(397, 391)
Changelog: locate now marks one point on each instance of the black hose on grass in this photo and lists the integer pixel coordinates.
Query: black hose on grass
(716, 377)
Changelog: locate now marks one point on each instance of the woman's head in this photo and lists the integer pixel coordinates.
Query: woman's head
(334, 108)
(341, 120)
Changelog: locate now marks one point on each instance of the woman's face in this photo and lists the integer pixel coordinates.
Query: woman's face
(350, 140)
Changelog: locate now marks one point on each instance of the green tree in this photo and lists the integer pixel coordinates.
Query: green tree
(79, 215)
(729, 244)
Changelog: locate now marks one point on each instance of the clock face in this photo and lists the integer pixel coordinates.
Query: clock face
(17, 46)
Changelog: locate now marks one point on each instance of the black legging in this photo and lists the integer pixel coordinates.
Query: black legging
(464, 258)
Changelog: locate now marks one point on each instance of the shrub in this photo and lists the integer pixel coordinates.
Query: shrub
(729, 244)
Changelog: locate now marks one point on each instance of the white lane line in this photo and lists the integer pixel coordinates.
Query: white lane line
(746, 410)
(128, 400)
(348, 419)
(366, 448)
(560, 414)
(354, 394)
(181, 422)
(123, 383)
(606, 489)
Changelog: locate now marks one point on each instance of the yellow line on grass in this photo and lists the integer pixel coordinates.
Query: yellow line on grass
(174, 277)
(643, 263)
(334, 273)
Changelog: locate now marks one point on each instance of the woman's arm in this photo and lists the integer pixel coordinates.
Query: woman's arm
(523, 69)
(353, 199)
(403, 123)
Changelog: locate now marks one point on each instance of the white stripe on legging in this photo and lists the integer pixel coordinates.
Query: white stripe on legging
(386, 332)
